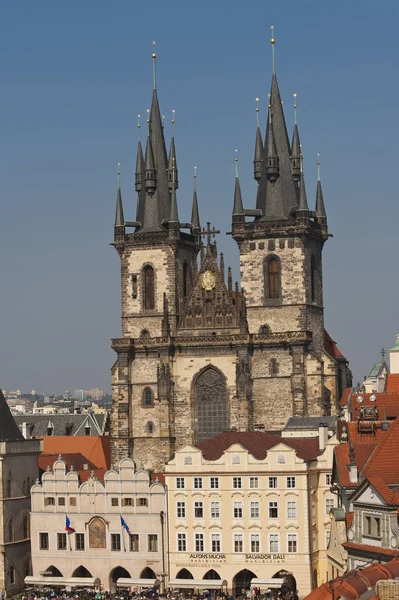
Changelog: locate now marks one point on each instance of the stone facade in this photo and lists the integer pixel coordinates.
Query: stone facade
(196, 356)
(99, 549)
(18, 470)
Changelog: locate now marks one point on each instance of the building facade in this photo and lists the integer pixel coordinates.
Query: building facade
(195, 346)
(18, 469)
(250, 505)
(101, 550)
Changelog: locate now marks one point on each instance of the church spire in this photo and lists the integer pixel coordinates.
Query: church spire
(119, 218)
(156, 207)
(303, 208)
(320, 207)
(172, 162)
(173, 215)
(238, 208)
(258, 147)
(195, 220)
(296, 149)
(275, 199)
(272, 160)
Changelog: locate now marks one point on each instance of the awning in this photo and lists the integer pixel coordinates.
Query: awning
(269, 583)
(60, 581)
(142, 583)
(203, 584)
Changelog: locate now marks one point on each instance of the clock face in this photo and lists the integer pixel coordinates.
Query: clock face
(208, 280)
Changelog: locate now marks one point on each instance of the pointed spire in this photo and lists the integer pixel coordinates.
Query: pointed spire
(222, 265)
(272, 160)
(154, 65)
(238, 208)
(258, 147)
(172, 163)
(139, 162)
(303, 208)
(295, 149)
(320, 207)
(174, 215)
(150, 172)
(195, 220)
(229, 280)
(119, 218)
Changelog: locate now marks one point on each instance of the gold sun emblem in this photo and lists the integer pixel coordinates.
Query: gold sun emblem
(208, 280)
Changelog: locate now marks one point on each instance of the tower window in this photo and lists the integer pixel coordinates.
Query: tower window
(148, 398)
(150, 427)
(148, 288)
(272, 278)
(273, 367)
(313, 275)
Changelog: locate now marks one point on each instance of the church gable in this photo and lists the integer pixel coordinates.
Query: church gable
(211, 304)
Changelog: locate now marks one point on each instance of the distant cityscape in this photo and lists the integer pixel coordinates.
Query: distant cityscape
(78, 401)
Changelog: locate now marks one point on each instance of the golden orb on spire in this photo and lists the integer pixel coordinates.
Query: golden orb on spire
(272, 40)
(154, 54)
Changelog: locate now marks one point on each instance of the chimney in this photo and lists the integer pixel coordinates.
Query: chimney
(25, 430)
(323, 435)
(353, 473)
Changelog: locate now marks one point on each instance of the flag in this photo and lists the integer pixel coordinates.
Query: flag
(68, 527)
(125, 525)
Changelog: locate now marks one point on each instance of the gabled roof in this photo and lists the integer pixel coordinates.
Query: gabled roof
(258, 443)
(345, 396)
(95, 449)
(342, 461)
(384, 462)
(9, 431)
(64, 424)
(331, 347)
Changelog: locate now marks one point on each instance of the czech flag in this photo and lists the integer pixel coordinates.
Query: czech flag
(68, 527)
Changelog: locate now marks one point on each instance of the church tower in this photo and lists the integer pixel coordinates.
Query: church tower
(198, 355)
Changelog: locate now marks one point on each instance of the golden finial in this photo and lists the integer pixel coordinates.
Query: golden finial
(295, 95)
(154, 65)
(270, 108)
(195, 179)
(318, 167)
(236, 161)
(257, 111)
(138, 125)
(273, 41)
(148, 119)
(119, 174)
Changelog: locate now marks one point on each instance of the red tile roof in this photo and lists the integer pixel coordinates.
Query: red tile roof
(389, 496)
(345, 396)
(370, 548)
(331, 347)
(76, 461)
(353, 584)
(258, 443)
(362, 453)
(384, 462)
(96, 449)
(361, 432)
(387, 404)
(392, 382)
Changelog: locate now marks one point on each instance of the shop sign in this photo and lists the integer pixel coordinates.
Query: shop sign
(265, 558)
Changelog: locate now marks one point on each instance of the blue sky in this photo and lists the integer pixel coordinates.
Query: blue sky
(73, 77)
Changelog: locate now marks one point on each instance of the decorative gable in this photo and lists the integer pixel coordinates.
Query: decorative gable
(211, 305)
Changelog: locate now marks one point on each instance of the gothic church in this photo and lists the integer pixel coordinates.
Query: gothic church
(197, 355)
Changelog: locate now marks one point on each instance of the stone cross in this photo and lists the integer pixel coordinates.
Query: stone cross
(209, 233)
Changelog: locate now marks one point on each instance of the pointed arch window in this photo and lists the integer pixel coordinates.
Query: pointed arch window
(148, 397)
(313, 278)
(272, 278)
(210, 404)
(148, 288)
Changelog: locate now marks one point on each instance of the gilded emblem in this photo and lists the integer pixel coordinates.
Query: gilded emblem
(208, 280)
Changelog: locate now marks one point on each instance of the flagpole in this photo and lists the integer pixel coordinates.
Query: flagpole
(123, 537)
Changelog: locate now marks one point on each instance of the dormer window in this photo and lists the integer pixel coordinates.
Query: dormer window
(50, 429)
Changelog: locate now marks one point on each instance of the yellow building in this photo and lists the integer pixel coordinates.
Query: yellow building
(250, 505)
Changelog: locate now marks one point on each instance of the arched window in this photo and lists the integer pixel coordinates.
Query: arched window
(149, 427)
(273, 367)
(25, 527)
(313, 275)
(148, 397)
(185, 279)
(272, 278)
(264, 330)
(148, 288)
(145, 334)
(210, 393)
(10, 530)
